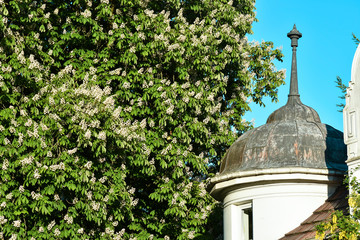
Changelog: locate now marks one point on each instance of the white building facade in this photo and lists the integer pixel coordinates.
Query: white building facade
(352, 118)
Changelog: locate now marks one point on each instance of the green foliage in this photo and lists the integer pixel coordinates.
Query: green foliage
(342, 87)
(356, 40)
(113, 113)
(343, 226)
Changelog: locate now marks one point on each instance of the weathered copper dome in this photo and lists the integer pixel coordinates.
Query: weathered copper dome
(293, 136)
(287, 143)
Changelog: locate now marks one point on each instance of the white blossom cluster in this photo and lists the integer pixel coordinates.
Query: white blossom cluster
(92, 126)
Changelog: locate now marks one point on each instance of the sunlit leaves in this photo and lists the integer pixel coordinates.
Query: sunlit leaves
(114, 113)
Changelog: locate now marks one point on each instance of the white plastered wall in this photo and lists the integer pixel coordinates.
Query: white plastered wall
(352, 118)
(280, 202)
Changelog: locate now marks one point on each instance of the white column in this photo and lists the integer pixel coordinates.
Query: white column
(237, 221)
(232, 222)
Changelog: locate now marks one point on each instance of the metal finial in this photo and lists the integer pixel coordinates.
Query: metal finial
(294, 35)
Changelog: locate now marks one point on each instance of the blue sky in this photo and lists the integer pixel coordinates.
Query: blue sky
(325, 51)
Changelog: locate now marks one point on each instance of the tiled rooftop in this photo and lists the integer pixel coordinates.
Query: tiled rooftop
(307, 230)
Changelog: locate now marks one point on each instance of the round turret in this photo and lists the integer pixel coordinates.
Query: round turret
(279, 172)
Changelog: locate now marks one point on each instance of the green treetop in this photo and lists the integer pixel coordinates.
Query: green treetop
(114, 112)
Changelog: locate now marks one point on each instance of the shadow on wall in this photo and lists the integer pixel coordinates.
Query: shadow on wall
(336, 151)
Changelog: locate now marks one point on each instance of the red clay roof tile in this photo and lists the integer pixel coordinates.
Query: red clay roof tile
(307, 230)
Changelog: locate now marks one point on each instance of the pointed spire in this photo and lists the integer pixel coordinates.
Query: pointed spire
(294, 35)
(294, 109)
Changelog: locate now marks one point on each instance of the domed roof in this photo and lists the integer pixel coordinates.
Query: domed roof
(297, 139)
(294, 110)
(293, 136)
